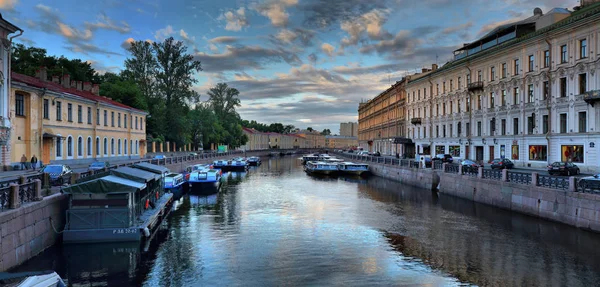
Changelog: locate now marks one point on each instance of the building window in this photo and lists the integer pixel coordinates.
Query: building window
(131, 149)
(582, 122)
(468, 129)
(459, 82)
(437, 89)
(125, 147)
(105, 118)
(112, 146)
(444, 87)
(58, 111)
(69, 146)
(20, 105)
(89, 115)
(492, 95)
(503, 70)
(136, 147)
(530, 124)
(546, 58)
(58, 146)
(563, 123)
(97, 146)
(572, 153)
(79, 114)
(582, 48)
(563, 54)
(563, 87)
(418, 95)
(444, 130)
(112, 119)
(119, 119)
(479, 76)
(478, 129)
(479, 102)
(105, 146)
(119, 146)
(530, 93)
(125, 120)
(136, 121)
(89, 146)
(459, 129)
(582, 83)
(451, 107)
(503, 97)
(451, 85)
(424, 93)
(531, 60)
(515, 126)
(468, 78)
(545, 124)
(69, 112)
(80, 146)
(46, 109)
(493, 126)
(468, 104)
(515, 96)
(515, 152)
(516, 67)
(454, 150)
(443, 109)
(97, 116)
(492, 73)
(545, 89)
(437, 109)
(538, 152)
(503, 127)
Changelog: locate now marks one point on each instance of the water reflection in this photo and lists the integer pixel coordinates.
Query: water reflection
(275, 225)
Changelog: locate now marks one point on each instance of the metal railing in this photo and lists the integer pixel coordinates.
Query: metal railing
(492, 174)
(470, 171)
(27, 192)
(4, 194)
(451, 168)
(588, 186)
(437, 164)
(553, 182)
(519, 177)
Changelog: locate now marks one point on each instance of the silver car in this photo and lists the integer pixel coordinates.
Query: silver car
(589, 184)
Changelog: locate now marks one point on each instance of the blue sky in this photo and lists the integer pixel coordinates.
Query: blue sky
(300, 62)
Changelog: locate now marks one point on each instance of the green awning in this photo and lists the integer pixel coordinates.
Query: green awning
(151, 168)
(135, 174)
(105, 185)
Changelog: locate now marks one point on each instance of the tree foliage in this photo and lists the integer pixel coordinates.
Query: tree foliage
(326, 132)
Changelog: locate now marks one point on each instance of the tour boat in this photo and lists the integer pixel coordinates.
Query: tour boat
(207, 180)
(321, 167)
(254, 161)
(238, 163)
(174, 183)
(221, 164)
(353, 168)
(195, 167)
(315, 157)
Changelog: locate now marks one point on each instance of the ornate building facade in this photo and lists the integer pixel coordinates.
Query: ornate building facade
(525, 91)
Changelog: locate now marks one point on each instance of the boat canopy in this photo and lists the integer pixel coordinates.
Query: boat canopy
(110, 184)
(152, 168)
(135, 174)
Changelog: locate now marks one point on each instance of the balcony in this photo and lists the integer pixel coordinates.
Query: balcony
(416, 121)
(591, 97)
(474, 86)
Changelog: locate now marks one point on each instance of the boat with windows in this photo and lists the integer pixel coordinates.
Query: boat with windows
(321, 167)
(254, 161)
(174, 183)
(221, 164)
(205, 180)
(315, 157)
(193, 168)
(353, 168)
(238, 163)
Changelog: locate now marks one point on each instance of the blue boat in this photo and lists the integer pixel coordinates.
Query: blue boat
(174, 183)
(254, 161)
(205, 181)
(321, 167)
(353, 168)
(193, 168)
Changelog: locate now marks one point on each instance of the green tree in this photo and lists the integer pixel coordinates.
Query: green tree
(224, 100)
(123, 90)
(309, 129)
(326, 132)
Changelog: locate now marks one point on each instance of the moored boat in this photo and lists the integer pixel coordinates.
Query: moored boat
(254, 161)
(174, 183)
(321, 167)
(205, 181)
(221, 164)
(238, 163)
(353, 168)
(314, 157)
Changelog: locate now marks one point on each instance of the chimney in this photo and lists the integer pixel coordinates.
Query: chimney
(79, 85)
(434, 67)
(43, 74)
(87, 86)
(96, 89)
(55, 79)
(73, 84)
(66, 81)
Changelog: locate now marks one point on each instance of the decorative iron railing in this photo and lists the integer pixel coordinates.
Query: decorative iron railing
(27, 192)
(4, 193)
(492, 174)
(553, 182)
(588, 186)
(471, 171)
(451, 168)
(519, 177)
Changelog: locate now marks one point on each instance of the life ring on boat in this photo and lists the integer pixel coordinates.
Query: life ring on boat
(157, 195)
(147, 204)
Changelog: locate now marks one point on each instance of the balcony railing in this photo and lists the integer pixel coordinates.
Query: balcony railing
(591, 97)
(474, 86)
(416, 121)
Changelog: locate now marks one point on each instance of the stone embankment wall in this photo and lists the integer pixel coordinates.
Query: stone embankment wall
(573, 208)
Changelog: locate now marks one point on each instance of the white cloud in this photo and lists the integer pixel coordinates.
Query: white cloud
(328, 49)
(235, 20)
(275, 10)
(8, 5)
(370, 23)
(127, 43)
(164, 33)
(104, 22)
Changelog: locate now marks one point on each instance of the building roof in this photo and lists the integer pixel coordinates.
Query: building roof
(56, 87)
(9, 26)
(341, 137)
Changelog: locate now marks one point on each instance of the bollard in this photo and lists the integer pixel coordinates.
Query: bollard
(13, 197)
(46, 180)
(480, 172)
(504, 174)
(74, 177)
(38, 190)
(534, 178)
(460, 169)
(572, 184)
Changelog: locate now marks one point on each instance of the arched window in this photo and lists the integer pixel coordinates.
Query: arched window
(97, 146)
(58, 146)
(119, 146)
(112, 146)
(105, 146)
(125, 146)
(89, 146)
(80, 146)
(69, 146)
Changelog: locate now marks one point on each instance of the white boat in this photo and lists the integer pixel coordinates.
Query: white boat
(315, 157)
(238, 163)
(32, 279)
(321, 167)
(207, 180)
(353, 168)
(333, 159)
(222, 163)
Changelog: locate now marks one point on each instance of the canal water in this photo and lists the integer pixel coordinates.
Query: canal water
(274, 225)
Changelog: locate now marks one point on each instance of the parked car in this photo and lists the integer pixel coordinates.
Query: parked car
(98, 165)
(563, 168)
(363, 153)
(469, 165)
(502, 163)
(159, 156)
(590, 183)
(375, 154)
(446, 158)
(58, 173)
(193, 154)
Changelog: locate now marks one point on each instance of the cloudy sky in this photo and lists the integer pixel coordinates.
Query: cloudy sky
(300, 62)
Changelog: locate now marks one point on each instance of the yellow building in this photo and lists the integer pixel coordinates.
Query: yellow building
(314, 139)
(69, 122)
(341, 142)
(256, 140)
(6, 28)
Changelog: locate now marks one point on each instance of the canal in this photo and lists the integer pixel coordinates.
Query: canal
(274, 225)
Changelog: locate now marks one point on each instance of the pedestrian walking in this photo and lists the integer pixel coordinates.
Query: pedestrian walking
(34, 162)
(23, 162)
